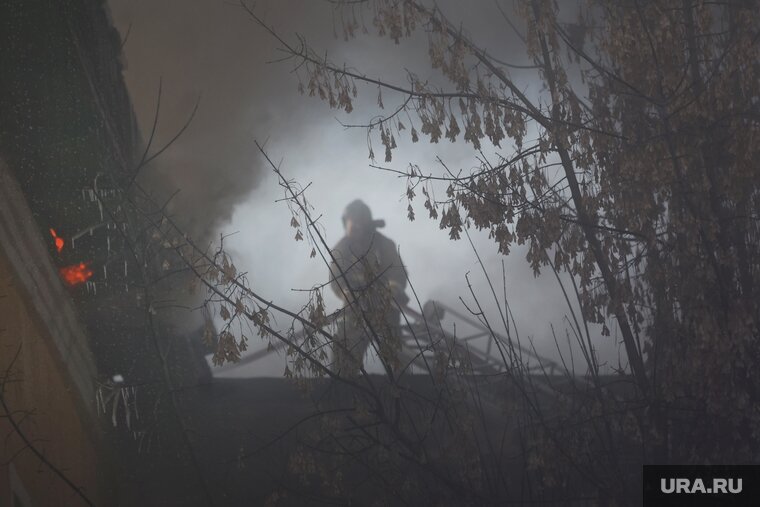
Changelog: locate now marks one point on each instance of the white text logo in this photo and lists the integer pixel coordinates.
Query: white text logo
(698, 486)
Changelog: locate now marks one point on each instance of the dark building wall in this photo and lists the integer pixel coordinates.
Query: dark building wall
(68, 133)
(66, 113)
(46, 371)
(45, 401)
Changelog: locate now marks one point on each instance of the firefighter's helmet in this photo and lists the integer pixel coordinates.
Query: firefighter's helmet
(361, 215)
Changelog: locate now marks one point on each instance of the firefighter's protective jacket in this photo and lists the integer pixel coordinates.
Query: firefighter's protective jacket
(366, 267)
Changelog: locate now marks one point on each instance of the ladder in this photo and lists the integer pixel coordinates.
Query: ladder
(425, 340)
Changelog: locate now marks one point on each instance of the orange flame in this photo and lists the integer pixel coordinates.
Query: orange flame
(76, 274)
(58, 241)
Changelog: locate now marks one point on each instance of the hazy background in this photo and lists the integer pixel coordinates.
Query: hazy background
(212, 49)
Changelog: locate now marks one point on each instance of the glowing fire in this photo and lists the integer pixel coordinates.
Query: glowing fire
(76, 274)
(58, 241)
(72, 275)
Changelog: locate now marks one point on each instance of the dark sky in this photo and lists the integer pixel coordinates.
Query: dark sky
(212, 49)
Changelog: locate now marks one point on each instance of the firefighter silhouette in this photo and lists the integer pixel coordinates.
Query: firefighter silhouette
(368, 276)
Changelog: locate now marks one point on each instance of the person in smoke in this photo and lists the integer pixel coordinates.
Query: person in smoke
(368, 276)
